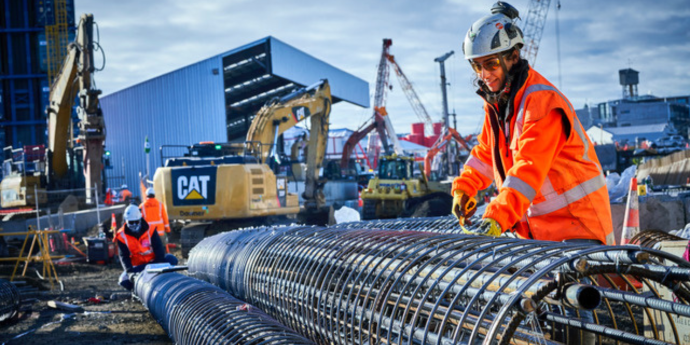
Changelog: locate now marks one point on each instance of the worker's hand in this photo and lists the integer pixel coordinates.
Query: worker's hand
(464, 206)
(488, 227)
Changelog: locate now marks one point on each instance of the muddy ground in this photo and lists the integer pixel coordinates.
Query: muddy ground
(116, 319)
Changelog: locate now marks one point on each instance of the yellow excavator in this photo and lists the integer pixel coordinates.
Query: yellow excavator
(218, 187)
(64, 165)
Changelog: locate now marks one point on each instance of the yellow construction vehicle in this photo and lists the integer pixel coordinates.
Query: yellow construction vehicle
(64, 165)
(395, 190)
(219, 187)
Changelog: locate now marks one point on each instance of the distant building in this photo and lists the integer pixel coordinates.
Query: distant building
(630, 134)
(214, 99)
(638, 111)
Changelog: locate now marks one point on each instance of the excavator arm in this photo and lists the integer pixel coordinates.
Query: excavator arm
(442, 141)
(313, 102)
(75, 79)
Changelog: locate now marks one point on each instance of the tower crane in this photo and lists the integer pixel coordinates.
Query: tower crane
(411, 95)
(533, 28)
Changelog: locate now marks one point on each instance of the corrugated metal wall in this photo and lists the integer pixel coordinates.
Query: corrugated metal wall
(179, 108)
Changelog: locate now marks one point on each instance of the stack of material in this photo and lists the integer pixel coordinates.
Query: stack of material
(9, 300)
(364, 286)
(671, 170)
(196, 312)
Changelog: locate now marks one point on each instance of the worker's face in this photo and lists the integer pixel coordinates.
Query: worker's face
(489, 71)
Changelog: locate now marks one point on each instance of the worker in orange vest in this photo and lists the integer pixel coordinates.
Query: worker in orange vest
(125, 194)
(154, 213)
(533, 146)
(139, 245)
(551, 185)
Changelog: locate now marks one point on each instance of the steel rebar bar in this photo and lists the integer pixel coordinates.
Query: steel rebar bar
(344, 285)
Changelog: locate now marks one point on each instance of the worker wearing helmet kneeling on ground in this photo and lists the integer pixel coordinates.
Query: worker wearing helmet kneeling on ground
(139, 245)
(532, 145)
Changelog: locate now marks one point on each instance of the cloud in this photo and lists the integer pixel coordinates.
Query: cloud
(144, 39)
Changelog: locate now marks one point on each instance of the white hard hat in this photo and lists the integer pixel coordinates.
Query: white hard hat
(494, 33)
(124, 186)
(150, 192)
(132, 213)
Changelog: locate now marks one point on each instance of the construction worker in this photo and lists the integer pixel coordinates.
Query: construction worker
(155, 215)
(551, 185)
(138, 245)
(125, 194)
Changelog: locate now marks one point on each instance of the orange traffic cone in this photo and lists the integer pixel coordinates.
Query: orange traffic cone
(113, 224)
(631, 220)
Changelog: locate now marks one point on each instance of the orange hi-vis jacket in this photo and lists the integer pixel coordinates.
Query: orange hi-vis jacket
(140, 249)
(551, 186)
(154, 213)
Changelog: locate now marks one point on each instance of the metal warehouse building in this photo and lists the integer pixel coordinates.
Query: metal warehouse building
(211, 100)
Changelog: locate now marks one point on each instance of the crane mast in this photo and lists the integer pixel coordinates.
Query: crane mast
(411, 95)
(382, 84)
(533, 28)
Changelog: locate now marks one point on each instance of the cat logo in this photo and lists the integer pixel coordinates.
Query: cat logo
(300, 113)
(194, 186)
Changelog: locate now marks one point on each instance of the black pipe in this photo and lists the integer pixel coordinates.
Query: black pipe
(9, 300)
(195, 312)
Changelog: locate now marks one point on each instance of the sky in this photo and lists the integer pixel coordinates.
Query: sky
(144, 39)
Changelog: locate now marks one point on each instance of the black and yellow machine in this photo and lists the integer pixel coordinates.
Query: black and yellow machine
(397, 190)
(217, 187)
(68, 162)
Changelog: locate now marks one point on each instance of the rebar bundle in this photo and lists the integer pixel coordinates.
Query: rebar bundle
(360, 286)
(445, 224)
(652, 238)
(196, 312)
(10, 300)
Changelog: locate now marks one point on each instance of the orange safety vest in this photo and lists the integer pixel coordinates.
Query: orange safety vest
(543, 194)
(154, 213)
(140, 249)
(124, 195)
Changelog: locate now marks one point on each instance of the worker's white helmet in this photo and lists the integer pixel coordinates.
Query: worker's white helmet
(150, 192)
(494, 33)
(132, 217)
(124, 186)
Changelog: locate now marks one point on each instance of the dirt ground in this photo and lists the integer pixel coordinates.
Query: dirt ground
(116, 319)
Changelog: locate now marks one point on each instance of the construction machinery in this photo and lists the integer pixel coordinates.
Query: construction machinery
(67, 163)
(390, 193)
(218, 187)
(396, 190)
(444, 140)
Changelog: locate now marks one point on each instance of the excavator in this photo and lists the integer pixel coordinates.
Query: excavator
(62, 167)
(395, 191)
(219, 187)
(444, 139)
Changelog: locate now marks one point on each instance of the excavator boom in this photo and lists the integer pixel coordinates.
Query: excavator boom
(313, 102)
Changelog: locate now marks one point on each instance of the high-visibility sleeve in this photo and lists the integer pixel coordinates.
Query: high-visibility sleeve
(477, 172)
(537, 147)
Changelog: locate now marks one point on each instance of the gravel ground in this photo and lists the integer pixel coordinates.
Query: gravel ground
(116, 319)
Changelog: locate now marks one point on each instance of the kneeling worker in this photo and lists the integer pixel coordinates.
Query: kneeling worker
(139, 246)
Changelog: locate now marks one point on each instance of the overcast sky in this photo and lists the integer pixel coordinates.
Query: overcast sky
(144, 39)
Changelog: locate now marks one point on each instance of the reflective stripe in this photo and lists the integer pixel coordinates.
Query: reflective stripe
(481, 167)
(557, 202)
(547, 188)
(519, 123)
(521, 186)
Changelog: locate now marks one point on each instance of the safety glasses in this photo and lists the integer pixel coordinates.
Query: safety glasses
(488, 65)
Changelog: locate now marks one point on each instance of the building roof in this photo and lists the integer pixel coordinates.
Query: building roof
(630, 130)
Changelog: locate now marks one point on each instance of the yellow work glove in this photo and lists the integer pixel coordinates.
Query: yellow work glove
(464, 206)
(488, 227)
